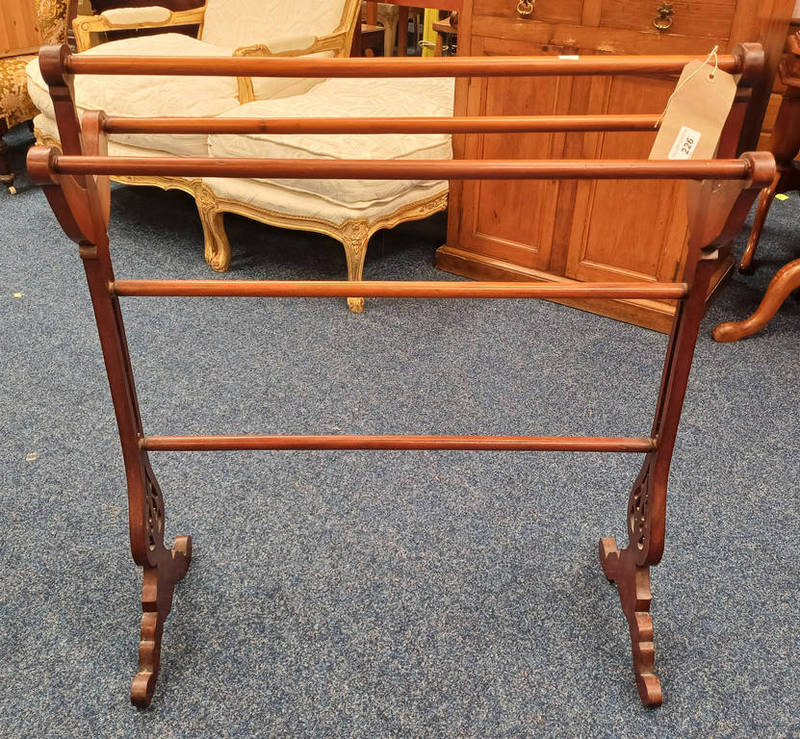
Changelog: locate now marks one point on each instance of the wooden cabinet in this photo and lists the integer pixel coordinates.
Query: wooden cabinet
(778, 88)
(19, 30)
(588, 231)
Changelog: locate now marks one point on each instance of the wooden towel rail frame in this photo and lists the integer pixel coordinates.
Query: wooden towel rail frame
(76, 183)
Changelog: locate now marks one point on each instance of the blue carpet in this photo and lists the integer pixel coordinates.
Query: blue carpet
(383, 594)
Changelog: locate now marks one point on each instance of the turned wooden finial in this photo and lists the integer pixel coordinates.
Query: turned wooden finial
(42, 162)
(54, 62)
(752, 62)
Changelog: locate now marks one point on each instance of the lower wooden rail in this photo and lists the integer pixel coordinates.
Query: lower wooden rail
(344, 442)
(406, 169)
(393, 289)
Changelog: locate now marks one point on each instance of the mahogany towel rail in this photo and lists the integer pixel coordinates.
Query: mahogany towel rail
(76, 184)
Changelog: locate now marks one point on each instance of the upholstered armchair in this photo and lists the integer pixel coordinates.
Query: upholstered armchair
(16, 105)
(235, 27)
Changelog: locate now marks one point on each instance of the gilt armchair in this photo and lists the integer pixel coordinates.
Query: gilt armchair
(16, 105)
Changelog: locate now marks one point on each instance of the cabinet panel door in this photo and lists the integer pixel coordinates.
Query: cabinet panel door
(514, 219)
(625, 230)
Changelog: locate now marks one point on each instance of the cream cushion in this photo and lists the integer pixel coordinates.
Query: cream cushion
(392, 98)
(129, 16)
(140, 96)
(300, 206)
(246, 22)
(276, 199)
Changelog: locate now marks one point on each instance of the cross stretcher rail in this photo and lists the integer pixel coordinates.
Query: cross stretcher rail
(393, 289)
(637, 445)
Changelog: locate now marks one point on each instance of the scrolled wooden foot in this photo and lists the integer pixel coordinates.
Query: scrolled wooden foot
(157, 589)
(633, 585)
(785, 281)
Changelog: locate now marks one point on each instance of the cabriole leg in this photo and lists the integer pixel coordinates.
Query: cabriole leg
(6, 175)
(217, 246)
(355, 238)
(764, 203)
(786, 280)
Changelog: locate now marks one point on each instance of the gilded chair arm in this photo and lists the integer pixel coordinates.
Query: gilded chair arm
(131, 18)
(336, 42)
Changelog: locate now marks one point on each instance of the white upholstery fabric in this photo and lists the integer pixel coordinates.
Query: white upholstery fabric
(393, 98)
(246, 22)
(130, 16)
(149, 96)
(160, 96)
(47, 126)
(273, 197)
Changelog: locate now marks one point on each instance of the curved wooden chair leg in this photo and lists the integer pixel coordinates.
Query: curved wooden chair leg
(764, 203)
(157, 589)
(633, 585)
(786, 280)
(217, 246)
(6, 175)
(355, 239)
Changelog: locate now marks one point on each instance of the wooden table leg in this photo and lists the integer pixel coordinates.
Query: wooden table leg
(764, 203)
(6, 175)
(402, 32)
(785, 281)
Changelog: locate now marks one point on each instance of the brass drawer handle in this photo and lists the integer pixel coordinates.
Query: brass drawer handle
(663, 21)
(525, 7)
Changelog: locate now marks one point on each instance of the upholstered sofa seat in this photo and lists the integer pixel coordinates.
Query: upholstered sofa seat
(342, 98)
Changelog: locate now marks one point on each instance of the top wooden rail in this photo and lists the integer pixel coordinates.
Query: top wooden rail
(501, 66)
(56, 61)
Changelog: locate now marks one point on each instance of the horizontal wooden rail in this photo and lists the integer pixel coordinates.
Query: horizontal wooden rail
(394, 289)
(500, 66)
(334, 442)
(414, 169)
(456, 124)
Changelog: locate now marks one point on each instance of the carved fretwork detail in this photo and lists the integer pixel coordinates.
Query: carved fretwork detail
(155, 516)
(638, 510)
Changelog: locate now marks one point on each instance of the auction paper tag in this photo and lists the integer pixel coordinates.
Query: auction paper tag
(696, 113)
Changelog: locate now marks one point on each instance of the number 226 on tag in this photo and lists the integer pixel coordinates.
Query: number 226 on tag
(685, 143)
